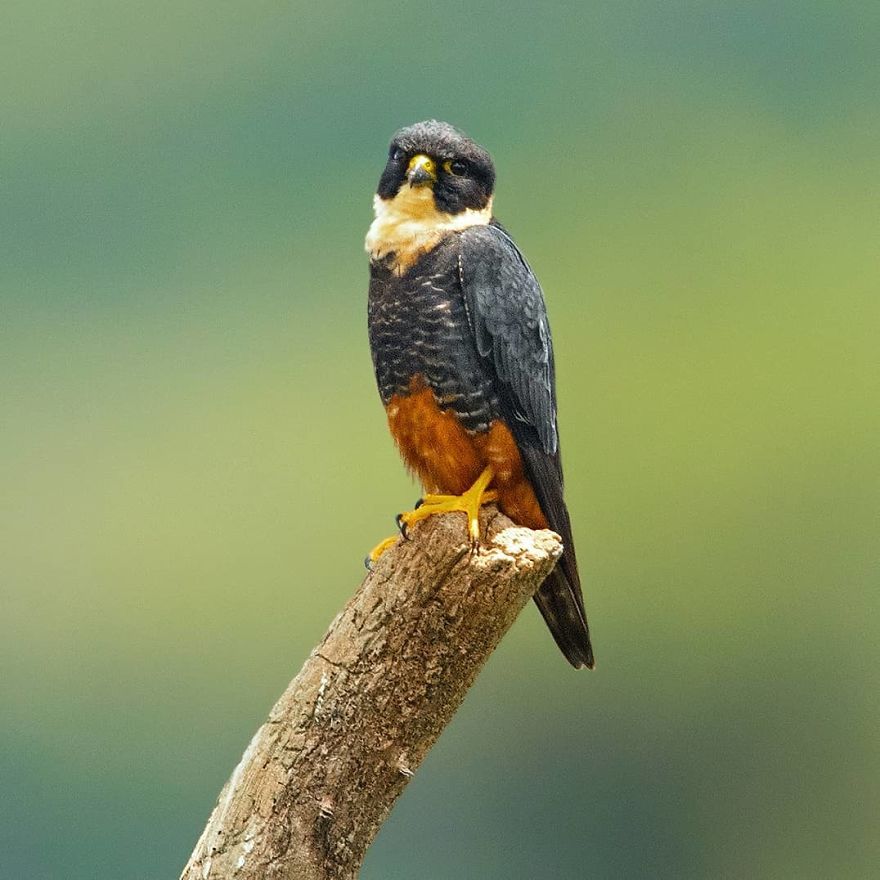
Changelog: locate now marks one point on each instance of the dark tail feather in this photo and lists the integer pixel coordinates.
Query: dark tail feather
(559, 597)
(558, 603)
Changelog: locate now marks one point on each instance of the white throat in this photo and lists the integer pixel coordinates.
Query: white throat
(409, 225)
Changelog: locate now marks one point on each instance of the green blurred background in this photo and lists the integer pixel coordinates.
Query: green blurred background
(189, 429)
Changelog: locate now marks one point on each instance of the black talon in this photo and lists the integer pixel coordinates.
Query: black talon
(368, 563)
(401, 525)
(419, 503)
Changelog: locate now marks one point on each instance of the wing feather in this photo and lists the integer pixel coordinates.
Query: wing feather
(508, 318)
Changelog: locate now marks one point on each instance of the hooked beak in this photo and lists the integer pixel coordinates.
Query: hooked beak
(421, 171)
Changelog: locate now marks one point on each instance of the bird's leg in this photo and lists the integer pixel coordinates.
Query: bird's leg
(468, 502)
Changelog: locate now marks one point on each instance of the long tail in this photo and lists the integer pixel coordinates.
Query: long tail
(559, 598)
(558, 602)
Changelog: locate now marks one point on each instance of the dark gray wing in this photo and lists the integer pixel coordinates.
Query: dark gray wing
(506, 311)
(507, 315)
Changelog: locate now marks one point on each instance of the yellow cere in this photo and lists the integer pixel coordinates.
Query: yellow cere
(420, 160)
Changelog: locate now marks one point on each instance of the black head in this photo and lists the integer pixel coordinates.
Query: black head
(435, 154)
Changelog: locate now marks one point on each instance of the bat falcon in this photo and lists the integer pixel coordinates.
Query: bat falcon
(463, 357)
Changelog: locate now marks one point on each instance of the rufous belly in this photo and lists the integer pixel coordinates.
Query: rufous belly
(447, 459)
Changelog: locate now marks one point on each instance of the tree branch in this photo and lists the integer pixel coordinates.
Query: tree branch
(321, 774)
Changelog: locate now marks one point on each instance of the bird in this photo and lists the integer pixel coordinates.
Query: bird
(463, 356)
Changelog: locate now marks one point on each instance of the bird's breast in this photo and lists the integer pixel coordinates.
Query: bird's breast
(419, 326)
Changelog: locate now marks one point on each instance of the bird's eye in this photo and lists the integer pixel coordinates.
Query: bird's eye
(455, 168)
(396, 154)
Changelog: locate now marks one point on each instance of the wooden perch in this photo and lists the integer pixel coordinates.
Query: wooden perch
(321, 774)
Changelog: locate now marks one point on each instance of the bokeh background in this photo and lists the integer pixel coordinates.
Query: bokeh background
(193, 459)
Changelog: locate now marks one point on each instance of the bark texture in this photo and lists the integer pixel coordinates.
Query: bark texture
(321, 774)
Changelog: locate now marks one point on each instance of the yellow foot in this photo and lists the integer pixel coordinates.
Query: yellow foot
(470, 503)
(374, 554)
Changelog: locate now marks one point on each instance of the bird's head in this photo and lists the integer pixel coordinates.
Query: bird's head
(433, 163)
